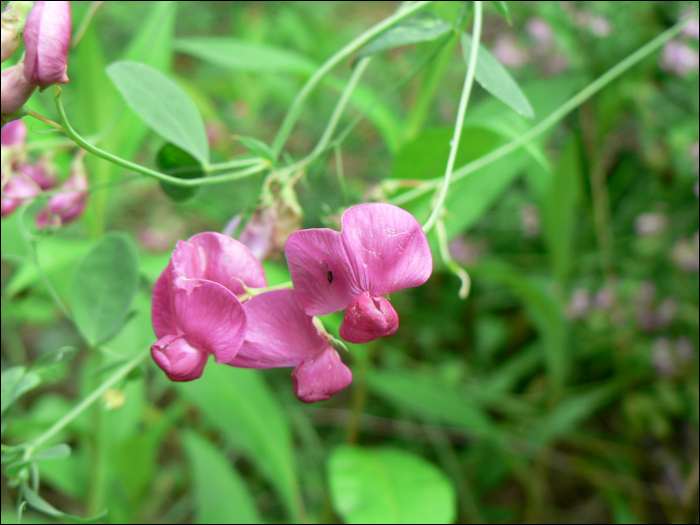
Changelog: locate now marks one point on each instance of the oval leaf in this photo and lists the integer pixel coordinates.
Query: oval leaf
(178, 163)
(244, 56)
(494, 78)
(103, 287)
(388, 486)
(16, 381)
(163, 105)
(424, 27)
(220, 492)
(55, 452)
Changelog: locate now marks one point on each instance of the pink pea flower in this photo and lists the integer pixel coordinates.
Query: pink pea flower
(46, 40)
(15, 90)
(25, 183)
(195, 311)
(281, 334)
(380, 250)
(69, 205)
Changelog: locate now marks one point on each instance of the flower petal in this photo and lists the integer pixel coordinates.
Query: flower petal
(387, 247)
(14, 134)
(368, 318)
(211, 317)
(321, 272)
(279, 332)
(321, 377)
(178, 359)
(47, 37)
(162, 313)
(226, 260)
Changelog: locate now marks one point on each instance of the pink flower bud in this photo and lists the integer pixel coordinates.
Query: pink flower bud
(46, 41)
(69, 205)
(15, 90)
(368, 318)
(13, 18)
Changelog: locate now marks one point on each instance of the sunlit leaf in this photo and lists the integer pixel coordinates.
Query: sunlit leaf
(388, 486)
(163, 105)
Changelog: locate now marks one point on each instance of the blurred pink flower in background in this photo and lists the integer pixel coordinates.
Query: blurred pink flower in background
(685, 254)
(530, 220)
(467, 251)
(650, 224)
(679, 59)
(70, 203)
(381, 249)
(579, 305)
(541, 32)
(508, 52)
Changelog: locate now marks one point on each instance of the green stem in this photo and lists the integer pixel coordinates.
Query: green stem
(200, 181)
(552, 119)
(335, 117)
(89, 400)
(231, 164)
(461, 111)
(295, 110)
(449, 262)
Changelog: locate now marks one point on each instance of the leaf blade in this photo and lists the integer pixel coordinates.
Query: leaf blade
(494, 78)
(424, 27)
(163, 105)
(104, 285)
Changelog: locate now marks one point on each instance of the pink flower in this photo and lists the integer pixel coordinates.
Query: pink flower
(679, 59)
(15, 90)
(25, 183)
(14, 134)
(380, 250)
(70, 204)
(281, 334)
(195, 311)
(46, 40)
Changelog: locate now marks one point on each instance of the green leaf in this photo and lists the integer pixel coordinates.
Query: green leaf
(424, 27)
(53, 358)
(388, 486)
(55, 452)
(560, 208)
(103, 287)
(163, 105)
(221, 495)
(494, 78)
(242, 55)
(39, 504)
(431, 400)
(502, 7)
(257, 147)
(16, 382)
(237, 402)
(178, 163)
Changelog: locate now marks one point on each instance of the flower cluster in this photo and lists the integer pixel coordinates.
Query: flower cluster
(205, 301)
(46, 32)
(22, 181)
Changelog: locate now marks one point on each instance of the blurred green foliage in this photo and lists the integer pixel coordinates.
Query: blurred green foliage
(565, 388)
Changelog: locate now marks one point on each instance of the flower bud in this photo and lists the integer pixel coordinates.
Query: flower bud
(13, 19)
(15, 90)
(46, 41)
(367, 318)
(69, 206)
(14, 135)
